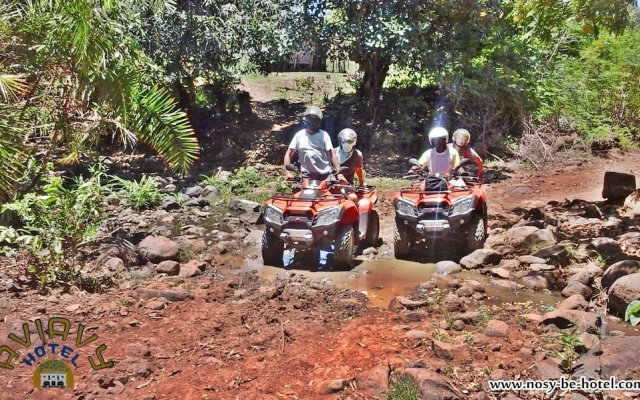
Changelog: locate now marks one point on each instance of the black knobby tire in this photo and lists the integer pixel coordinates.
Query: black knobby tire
(401, 240)
(343, 248)
(372, 237)
(477, 233)
(272, 249)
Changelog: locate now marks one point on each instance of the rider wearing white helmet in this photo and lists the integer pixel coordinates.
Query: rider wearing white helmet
(461, 140)
(440, 159)
(348, 156)
(314, 148)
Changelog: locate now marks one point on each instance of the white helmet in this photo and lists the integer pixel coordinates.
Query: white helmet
(313, 110)
(347, 138)
(461, 137)
(438, 133)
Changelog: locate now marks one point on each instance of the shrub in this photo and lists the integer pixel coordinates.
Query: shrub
(55, 224)
(141, 195)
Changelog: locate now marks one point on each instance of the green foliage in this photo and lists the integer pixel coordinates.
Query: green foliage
(141, 195)
(632, 314)
(80, 76)
(64, 216)
(404, 388)
(569, 342)
(594, 90)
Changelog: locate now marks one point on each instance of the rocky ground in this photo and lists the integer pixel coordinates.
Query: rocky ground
(185, 320)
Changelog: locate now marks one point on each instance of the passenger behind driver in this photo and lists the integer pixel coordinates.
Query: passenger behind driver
(461, 140)
(440, 159)
(351, 158)
(314, 148)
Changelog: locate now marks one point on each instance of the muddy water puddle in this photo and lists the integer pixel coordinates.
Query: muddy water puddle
(382, 280)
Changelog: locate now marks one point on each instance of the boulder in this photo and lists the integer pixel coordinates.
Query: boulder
(541, 237)
(496, 328)
(618, 270)
(400, 302)
(623, 291)
(632, 203)
(575, 287)
(210, 192)
(450, 351)
(613, 358)
(479, 258)
(589, 341)
(541, 267)
(373, 382)
(584, 277)
(504, 284)
(606, 247)
(574, 302)
(193, 191)
(227, 246)
(516, 235)
(146, 294)
(630, 242)
(170, 204)
(244, 205)
(540, 280)
(433, 386)
(191, 269)
(331, 386)
(590, 210)
(568, 318)
(618, 185)
(447, 267)
(510, 265)
(168, 267)
(158, 248)
(500, 272)
(531, 260)
(556, 255)
(545, 370)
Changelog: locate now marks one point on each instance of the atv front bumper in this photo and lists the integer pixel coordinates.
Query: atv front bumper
(305, 238)
(451, 228)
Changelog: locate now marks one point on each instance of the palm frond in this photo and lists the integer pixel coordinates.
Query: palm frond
(11, 86)
(160, 123)
(12, 157)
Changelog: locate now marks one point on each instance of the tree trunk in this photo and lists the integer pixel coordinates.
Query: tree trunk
(375, 70)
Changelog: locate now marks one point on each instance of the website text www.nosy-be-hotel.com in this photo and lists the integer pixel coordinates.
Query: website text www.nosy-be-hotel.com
(549, 386)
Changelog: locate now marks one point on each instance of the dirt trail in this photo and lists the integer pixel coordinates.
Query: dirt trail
(241, 337)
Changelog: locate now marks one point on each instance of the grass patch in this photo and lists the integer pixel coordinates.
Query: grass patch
(404, 388)
(141, 195)
(387, 183)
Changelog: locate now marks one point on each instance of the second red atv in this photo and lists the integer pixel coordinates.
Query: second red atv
(320, 215)
(438, 215)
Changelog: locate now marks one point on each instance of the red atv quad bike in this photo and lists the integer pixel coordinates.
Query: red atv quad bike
(439, 215)
(317, 216)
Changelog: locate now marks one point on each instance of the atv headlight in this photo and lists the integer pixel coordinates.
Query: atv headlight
(462, 206)
(407, 208)
(328, 216)
(273, 215)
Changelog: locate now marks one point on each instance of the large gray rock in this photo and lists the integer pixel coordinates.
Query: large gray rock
(541, 237)
(616, 356)
(168, 267)
(447, 267)
(556, 255)
(210, 192)
(606, 247)
(624, 291)
(496, 328)
(373, 382)
(545, 370)
(531, 260)
(193, 191)
(540, 280)
(169, 204)
(618, 185)
(158, 248)
(400, 302)
(244, 205)
(568, 318)
(575, 287)
(516, 235)
(618, 270)
(480, 257)
(574, 302)
(432, 385)
(331, 386)
(632, 203)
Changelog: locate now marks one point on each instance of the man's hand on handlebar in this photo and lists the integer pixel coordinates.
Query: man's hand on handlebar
(342, 179)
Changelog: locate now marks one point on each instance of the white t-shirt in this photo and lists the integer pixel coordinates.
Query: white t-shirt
(312, 151)
(440, 163)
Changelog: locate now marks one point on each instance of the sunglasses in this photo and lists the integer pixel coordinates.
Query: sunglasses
(349, 141)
